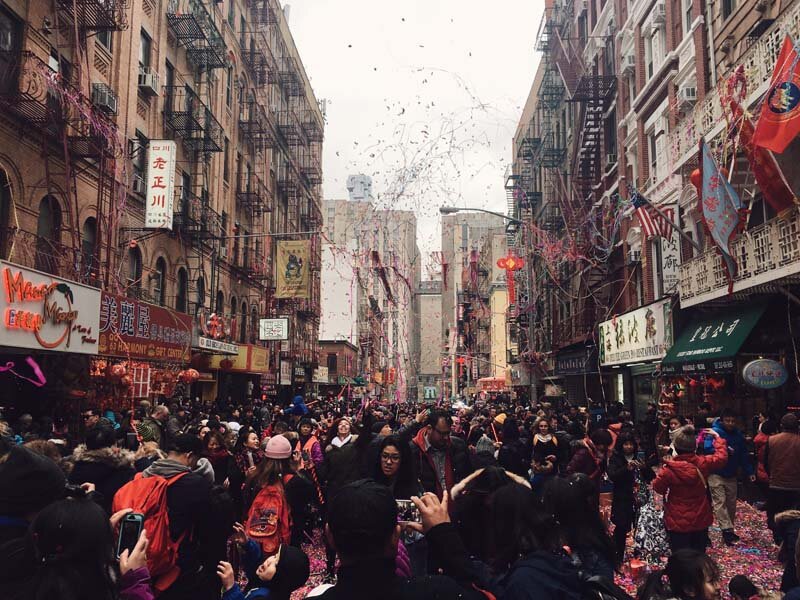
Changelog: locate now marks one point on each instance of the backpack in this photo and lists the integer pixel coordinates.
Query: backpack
(269, 520)
(148, 496)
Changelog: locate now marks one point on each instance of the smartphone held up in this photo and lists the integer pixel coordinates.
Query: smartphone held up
(129, 531)
(407, 512)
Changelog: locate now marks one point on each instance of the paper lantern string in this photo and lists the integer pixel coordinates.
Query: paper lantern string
(37, 371)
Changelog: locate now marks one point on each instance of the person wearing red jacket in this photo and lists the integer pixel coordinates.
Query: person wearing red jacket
(683, 480)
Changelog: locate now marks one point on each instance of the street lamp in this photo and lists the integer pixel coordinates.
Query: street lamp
(451, 210)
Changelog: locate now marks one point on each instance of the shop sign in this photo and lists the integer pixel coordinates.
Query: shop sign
(161, 156)
(248, 359)
(553, 391)
(320, 375)
(259, 359)
(286, 372)
(430, 392)
(273, 330)
(269, 379)
(670, 261)
(640, 335)
(41, 312)
(299, 375)
(577, 362)
(217, 346)
(765, 374)
(140, 330)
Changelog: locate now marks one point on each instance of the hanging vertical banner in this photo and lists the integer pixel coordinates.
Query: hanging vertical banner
(671, 259)
(292, 276)
(161, 157)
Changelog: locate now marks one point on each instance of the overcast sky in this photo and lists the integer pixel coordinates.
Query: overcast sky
(424, 95)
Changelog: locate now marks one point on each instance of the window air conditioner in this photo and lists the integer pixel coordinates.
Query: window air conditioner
(628, 63)
(659, 13)
(138, 184)
(634, 257)
(103, 97)
(687, 94)
(148, 81)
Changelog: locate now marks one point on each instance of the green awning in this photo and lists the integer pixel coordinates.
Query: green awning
(710, 345)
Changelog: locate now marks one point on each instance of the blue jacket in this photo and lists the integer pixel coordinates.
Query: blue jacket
(252, 557)
(738, 456)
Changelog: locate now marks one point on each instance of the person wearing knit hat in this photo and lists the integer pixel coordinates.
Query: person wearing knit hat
(274, 577)
(278, 448)
(688, 515)
(146, 432)
(28, 482)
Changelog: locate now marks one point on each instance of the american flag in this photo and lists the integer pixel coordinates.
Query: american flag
(653, 224)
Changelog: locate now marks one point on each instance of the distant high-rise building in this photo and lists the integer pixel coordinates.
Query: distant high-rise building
(360, 188)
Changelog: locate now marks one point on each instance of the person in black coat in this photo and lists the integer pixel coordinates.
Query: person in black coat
(101, 462)
(441, 461)
(515, 453)
(624, 468)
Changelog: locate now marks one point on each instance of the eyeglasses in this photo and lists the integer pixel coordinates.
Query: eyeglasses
(390, 457)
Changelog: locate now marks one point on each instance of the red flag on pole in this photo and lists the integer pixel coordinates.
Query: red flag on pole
(779, 122)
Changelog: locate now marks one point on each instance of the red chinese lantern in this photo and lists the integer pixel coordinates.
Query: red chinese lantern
(192, 375)
(226, 364)
(510, 263)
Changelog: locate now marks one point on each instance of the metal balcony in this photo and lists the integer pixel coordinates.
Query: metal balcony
(767, 255)
(260, 67)
(312, 128)
(96, 15)
(190, 119)
(252, 194)
(261, 12)
(195, 218)
(255, 126)
(289, 128)
(289, 76)
(45, 254)
(310, 167)
(194, 29)
(25, 92)
(286, 180)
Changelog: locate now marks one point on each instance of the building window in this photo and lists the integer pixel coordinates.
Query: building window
(48, 235)
(232, 14)
(145, 48)
(658, 274)
(243, 324)
(229, 87)
(181, 297)
(5, 214)
(88, 249)
(226, 170)
(10, 44)
(332, 366)
(104, 39)
(140, 156)
(253, 324)
(648, 55)
(687, 16)
(219, 305)
(223, 221)
(243, 33)
(201, 292)
(134, 271)
(728, 6)
(160, 285)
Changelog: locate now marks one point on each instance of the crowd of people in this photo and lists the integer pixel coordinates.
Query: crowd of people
(496, 500)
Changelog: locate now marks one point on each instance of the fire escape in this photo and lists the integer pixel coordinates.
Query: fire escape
(194, 124)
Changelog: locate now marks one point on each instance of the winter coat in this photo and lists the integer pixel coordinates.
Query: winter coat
(515, 457)
(623, 506)
(760, 445)
(457, 463)
(135, 585)
(585, 460)
(787, 523)
(107, 468)
(687, 507)
(340, 467)
(738, 457)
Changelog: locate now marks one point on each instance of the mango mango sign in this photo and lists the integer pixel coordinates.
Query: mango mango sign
(765, 374)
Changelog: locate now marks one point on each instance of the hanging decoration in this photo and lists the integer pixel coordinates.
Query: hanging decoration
(509, 264)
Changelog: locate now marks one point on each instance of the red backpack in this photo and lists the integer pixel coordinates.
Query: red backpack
(148, 496)
(269, 521)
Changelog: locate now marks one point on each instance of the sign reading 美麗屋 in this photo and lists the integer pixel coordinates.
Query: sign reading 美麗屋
(293, 264)
(161, 157)
(137, 329)
(42, 312)
(640, 335)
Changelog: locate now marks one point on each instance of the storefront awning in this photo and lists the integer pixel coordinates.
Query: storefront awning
(710, 345)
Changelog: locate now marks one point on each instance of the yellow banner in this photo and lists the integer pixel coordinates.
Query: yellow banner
(292, 276)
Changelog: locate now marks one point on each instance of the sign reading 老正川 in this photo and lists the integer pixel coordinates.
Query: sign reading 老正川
(640, 335)
(41, 312)
(161, 157)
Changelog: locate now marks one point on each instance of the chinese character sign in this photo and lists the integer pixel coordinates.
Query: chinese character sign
(161, 156)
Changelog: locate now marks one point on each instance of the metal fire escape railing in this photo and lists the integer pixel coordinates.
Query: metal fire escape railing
(192, 120)
(289, 128)
(262, 12)
(97, 15)
(310, 169)
(289, 76)
(195, 218)
(254, 124)
(194, 28)
(252, 193)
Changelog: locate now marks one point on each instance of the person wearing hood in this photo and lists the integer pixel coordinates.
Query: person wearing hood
(515, 453)
(441, 461)
(268, 578)
(723, 482)
(101, 462)
(687, 515)
(189, 509)
(591, 456)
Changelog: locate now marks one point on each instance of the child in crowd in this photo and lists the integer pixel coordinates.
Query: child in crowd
(272, 579)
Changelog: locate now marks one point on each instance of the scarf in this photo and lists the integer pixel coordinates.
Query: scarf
(336, 442)
(217, 457)
(543, 438)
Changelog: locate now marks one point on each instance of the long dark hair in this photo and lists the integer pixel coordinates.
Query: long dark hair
(405, 473)
(74, 549)
(269, 471)
(687, 571)
(622, 438)
(573, 503)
